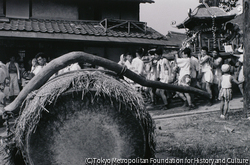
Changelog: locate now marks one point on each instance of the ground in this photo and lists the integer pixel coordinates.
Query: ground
(202, 134)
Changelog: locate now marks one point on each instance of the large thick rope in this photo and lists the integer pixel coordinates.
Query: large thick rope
(73, 57)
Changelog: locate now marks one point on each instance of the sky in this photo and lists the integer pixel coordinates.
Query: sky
(162, 13)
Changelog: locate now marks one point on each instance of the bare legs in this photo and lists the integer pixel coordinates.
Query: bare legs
(161, 92)
(224, 107)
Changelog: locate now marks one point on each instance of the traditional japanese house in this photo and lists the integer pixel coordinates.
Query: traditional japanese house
(106, 28)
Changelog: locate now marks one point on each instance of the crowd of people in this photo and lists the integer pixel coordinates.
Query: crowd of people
(14, 76)
(205, 71)
(209, 72)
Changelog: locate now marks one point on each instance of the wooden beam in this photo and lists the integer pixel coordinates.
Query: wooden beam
(118, 25)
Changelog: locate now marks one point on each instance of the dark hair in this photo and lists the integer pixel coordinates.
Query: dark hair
(40, 54)
(187, 51)
(130, 54)
(216, 49)
(204, 48)
(159, 51)
(140, 51)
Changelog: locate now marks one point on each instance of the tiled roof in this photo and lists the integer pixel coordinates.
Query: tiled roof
(77, 30)
(202, 14)
(176, 37)
(238, 20)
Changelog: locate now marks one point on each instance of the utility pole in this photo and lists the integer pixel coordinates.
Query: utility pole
(246, 62)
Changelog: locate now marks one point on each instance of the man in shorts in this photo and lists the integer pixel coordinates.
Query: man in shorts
(206, 72)
(184, 79)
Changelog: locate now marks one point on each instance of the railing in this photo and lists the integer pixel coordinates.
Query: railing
(109, 24)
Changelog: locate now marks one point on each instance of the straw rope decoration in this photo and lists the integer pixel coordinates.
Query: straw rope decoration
(86, 82)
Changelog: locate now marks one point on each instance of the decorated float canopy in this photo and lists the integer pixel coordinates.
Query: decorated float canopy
(203, 14)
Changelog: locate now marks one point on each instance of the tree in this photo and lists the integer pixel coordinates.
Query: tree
(226, 5)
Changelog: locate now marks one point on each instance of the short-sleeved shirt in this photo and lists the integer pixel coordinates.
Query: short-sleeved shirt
(184, 65)
(37, 69)
(128, 64)
(137, 65)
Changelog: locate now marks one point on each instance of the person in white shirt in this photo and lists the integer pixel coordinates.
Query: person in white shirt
(137, 63)
(41, 60)
(128, 62)
(71, 67)
(163, 72)
(137, 66)
(14, 75)
(122, 60)
(35, 68)
(206, 71)
(225, 85)
(184, 78)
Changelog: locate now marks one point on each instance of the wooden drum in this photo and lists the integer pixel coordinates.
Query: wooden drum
(84, 114)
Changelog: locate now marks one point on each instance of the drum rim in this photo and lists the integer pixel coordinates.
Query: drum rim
(137, 106)
(28, 136)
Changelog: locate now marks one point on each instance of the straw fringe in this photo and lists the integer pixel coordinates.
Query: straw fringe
(8, 151)
(104, 86)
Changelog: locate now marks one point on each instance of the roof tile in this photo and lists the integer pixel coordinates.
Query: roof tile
(76, 27)
(14, 25)
(1, 25)
(49, 27)
(7, 26)
(68, 27)
(55, 26)
(35, 26)
(21, 25)
(62, 27)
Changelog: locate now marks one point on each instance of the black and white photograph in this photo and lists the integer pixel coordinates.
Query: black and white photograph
(124, 82)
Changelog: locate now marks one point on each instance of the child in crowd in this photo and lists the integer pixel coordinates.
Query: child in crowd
(225, 85)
